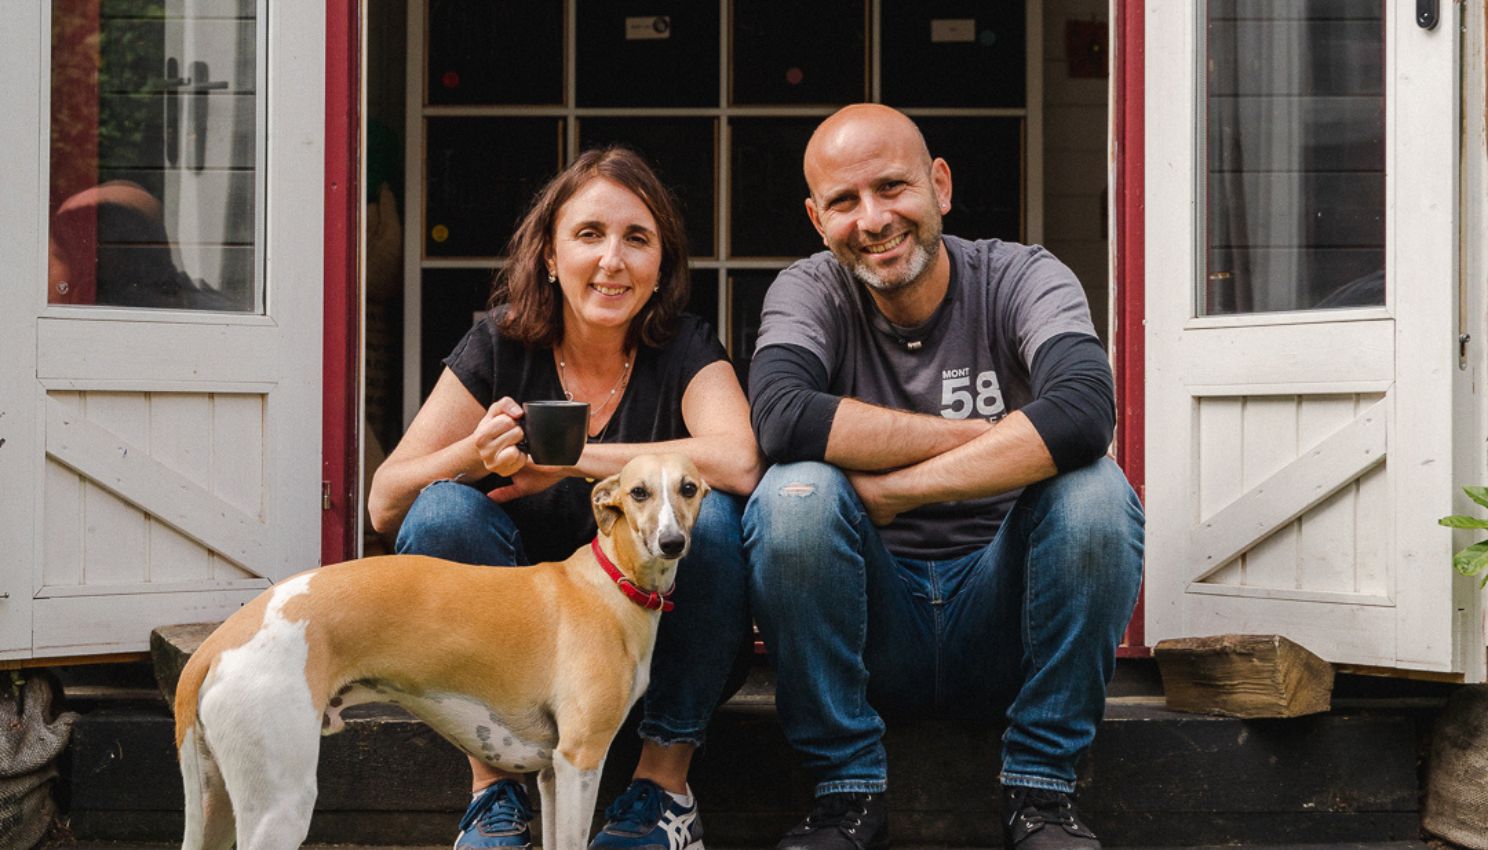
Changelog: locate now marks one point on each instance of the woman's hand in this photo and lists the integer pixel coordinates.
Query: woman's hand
(497, 435)
(530, 479)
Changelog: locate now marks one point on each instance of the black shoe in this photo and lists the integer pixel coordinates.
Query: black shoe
(842, 822)
(1035, 819)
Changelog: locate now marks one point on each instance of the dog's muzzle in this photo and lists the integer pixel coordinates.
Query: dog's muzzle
(671, 542)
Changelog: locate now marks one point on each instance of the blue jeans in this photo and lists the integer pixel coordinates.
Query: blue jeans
(1027, 625)
(698, 641)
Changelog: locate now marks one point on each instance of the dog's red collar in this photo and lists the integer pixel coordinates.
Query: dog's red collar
(646, 599)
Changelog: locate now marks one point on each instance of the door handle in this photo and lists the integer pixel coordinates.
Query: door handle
(172, 82)
(195, 86)
(1427, 14)
(201, 83)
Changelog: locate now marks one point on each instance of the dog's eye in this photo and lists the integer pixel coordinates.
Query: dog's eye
(689, 489)
(639, 494)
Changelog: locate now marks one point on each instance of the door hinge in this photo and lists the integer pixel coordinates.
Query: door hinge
(1462, 341)
(325, 495)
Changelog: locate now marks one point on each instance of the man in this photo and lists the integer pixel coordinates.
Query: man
(941, 530)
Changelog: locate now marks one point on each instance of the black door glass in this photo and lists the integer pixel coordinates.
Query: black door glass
(656, 53)
(703, 301)
(768, 190)
(450, 302)
(746, 301)
(779, 54)
(482, 176)
(506, 52)
(986, 160)
(963, 53)
(683, 153)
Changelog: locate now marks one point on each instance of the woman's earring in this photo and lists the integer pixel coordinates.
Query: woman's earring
(552, 278)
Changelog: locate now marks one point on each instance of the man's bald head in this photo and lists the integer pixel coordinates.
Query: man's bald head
(857, 130)
(877, 199)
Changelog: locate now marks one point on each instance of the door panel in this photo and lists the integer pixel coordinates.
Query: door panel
(162, 378)
(1301, 295)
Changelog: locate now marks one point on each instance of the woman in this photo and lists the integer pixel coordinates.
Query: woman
(589, 307)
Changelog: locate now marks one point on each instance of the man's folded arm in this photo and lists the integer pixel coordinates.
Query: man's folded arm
(790, 409)
(1074, 406)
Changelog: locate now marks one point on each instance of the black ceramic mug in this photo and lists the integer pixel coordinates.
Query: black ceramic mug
(555, 431)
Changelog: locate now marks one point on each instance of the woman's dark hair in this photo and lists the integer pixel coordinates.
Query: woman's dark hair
(534, 313)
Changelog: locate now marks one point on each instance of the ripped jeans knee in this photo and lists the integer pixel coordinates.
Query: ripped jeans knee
(795, 506)
(801, 480)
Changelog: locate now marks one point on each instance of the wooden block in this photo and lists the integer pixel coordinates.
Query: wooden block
(1243, 676)
(171, 648)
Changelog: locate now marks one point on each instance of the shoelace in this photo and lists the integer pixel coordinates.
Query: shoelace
(639, 807)
(837, 810)
(1038, 806)
(502, 807)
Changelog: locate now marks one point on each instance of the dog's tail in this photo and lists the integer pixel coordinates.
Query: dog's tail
(210, 824)
(188, 695)
(209, 815)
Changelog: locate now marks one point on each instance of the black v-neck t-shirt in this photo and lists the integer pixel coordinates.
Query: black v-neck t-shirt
(559, 519)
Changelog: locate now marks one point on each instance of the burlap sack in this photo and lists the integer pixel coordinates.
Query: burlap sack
(1457, 781)
(29, 746)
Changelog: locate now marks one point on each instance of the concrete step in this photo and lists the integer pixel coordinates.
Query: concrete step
(1154, 778)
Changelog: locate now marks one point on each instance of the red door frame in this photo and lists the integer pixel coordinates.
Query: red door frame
(339, 432)
(339, 374)
(1129, 342)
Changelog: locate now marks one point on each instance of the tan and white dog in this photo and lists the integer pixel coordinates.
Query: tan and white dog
(530, 668)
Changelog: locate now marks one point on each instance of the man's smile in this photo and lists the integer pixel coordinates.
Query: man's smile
(886, 246)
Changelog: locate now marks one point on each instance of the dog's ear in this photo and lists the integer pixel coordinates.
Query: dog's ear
(606, 503)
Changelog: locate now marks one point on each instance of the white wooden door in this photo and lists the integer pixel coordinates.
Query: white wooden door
(1301, 165)
(160, 295)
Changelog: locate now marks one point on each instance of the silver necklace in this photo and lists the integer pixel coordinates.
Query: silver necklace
(594, 411)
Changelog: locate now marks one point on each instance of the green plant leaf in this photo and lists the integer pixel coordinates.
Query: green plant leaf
(1477, 494)
(1472, 560)
(1460, 521)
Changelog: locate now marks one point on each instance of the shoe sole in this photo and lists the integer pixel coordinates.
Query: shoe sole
(527, 846)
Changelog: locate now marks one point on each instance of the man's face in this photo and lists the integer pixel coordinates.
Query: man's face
(877, 203)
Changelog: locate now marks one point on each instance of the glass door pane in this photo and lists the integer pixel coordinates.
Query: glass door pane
(1295, 139)
(155, 154)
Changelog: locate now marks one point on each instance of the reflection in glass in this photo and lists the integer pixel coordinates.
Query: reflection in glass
(1295, 184)
(154, 146)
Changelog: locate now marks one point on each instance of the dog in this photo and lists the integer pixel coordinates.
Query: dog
(524, 668)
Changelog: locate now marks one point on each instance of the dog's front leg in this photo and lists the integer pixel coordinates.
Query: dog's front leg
(547, 793)
(576, 777)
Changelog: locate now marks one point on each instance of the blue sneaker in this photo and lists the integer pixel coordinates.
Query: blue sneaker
(646, 817)
(497, 818)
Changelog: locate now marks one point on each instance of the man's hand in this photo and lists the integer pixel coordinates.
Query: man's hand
(872, 491)
(868, 437)
(1010, 455)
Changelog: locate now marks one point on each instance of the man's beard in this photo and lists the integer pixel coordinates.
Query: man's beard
(915, 265)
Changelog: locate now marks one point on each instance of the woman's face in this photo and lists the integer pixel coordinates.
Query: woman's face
(606, 253)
